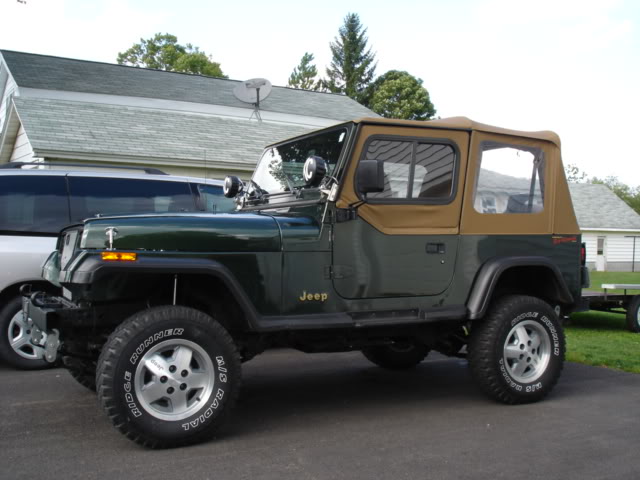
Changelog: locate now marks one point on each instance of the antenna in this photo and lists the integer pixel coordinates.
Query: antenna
(251, 91)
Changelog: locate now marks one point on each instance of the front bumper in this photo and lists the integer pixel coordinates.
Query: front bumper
(44, 313)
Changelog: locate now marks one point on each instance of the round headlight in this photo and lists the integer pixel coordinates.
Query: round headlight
(315, 168)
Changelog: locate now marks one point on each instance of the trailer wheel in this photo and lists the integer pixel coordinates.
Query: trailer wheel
(633, 315)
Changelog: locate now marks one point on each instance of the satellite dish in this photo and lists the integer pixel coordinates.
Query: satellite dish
(253, 90)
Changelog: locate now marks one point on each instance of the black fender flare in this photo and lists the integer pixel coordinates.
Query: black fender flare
(93, 268)
(489, 275)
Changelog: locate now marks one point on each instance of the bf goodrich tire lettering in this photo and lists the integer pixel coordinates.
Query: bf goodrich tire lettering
(516, 352)
(168, 376)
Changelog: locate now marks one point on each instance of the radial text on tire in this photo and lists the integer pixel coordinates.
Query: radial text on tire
(516, 353)
(168, 376)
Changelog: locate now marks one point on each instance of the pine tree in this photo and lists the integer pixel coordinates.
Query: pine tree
(353, 64)
(304, 75)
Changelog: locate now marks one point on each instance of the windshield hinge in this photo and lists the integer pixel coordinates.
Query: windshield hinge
(346, 214)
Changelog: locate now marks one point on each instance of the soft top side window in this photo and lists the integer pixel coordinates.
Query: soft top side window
(416, 170)
(510, 179)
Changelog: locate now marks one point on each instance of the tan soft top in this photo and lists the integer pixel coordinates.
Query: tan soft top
(463, 123)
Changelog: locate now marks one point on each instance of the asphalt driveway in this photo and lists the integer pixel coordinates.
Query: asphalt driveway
(337, 416)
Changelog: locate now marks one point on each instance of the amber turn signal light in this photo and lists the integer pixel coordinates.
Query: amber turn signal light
(119, 256)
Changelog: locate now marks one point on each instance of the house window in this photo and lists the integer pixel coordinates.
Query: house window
(600, 248)
(510, 179)
(413, 170)
(488, 205)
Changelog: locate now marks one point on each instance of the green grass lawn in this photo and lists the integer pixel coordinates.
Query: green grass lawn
(600, 338)
(598, 278)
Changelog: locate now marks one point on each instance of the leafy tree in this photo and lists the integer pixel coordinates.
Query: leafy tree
(630, 195)
(574, 174)
(163, 52)
(398, 94)
(304, 75)
(353, 64)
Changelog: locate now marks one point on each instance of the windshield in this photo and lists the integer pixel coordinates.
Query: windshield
(280, 168)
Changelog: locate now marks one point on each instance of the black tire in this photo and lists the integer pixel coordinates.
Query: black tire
(633, 315)
(516, 353)
(398, 356)
(82, 370)
(149, 342)
(23, 356)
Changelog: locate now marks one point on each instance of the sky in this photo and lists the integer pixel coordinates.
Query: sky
(571, 66)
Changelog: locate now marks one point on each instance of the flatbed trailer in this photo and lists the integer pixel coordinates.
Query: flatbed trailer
(614, 302)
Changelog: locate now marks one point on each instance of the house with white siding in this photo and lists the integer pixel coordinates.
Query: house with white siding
(60, 109)
(610, 228)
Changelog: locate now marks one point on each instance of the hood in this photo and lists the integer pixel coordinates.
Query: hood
(237, 232)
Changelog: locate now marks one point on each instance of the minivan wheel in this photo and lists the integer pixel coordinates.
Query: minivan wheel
(516, 353)
(16, 348)
(168, 376)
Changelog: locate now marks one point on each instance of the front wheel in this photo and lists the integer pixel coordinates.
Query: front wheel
(168, 376)
(516, 354)
(633, 315)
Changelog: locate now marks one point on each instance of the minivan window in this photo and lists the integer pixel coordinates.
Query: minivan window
(33, 204)
(91, 196)
(213, 199)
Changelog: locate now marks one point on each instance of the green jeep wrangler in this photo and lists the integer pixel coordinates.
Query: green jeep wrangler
(390, 237)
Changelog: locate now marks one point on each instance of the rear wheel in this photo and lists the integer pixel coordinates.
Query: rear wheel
(397, 356)
(168, 376)
(516, 354)
(16, 348)
(633, 315)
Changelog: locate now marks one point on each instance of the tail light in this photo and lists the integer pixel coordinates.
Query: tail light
(583, 254)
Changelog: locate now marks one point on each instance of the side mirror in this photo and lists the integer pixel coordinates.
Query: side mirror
(370, 177)
(232, 186)
(315, 168)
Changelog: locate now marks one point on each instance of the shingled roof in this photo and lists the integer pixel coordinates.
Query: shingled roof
(56, 73)
(56, 126)
(597, 207)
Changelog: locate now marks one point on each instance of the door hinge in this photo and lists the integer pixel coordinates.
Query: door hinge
(337, 272)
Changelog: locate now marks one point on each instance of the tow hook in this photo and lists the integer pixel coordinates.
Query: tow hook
(51, 345)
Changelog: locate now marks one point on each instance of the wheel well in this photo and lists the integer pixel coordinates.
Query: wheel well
(207, 293)
(536, 281)
(212, 296)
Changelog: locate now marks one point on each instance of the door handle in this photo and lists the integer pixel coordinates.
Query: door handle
(436, 248)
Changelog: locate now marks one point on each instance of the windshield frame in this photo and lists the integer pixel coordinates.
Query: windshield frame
(298, 192)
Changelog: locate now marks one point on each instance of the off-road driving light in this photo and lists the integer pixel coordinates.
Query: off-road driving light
(119, 256)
